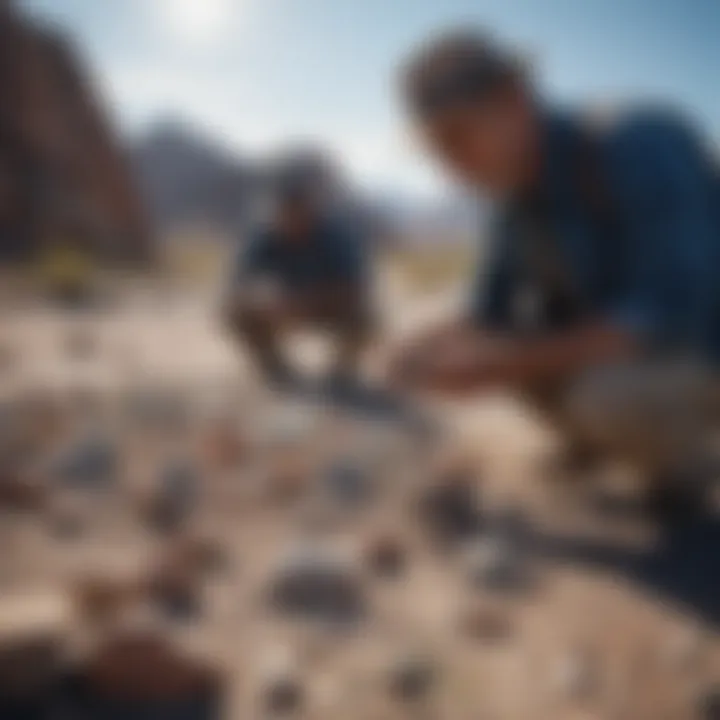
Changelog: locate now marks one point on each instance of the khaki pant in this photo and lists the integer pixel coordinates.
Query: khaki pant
(262, 337)
(657, 414)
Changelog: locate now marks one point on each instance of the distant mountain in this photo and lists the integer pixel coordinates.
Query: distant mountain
(445, 220)
(188, 179)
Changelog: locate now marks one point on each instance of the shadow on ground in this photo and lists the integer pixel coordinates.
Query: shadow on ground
(682, 569)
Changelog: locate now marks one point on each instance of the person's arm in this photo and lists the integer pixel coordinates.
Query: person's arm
(666, 293)
(473, 360)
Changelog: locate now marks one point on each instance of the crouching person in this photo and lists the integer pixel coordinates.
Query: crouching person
(600, 300)
(304, 268)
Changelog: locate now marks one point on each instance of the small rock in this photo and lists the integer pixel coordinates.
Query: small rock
(348, 484)
(485, 624)
(449, 510)
(224, 448)
(20, 493)
(386, 557)
(103, 599)
(492, 564)
(207, 554)
(412, 680)
(176, 497)
(283, 696)
(285, 484)
(174, 585)
(92, 462)
(317, 584)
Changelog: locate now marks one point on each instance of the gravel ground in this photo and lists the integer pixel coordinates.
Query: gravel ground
(521, 617)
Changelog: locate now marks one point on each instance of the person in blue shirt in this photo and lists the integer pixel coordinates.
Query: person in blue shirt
(599, 296)
(304, 267)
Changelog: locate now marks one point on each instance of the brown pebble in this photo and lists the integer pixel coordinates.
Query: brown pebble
(101, 600)
(386, 557)
(486, 624)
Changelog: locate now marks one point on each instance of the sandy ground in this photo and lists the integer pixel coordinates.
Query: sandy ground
(588, 639)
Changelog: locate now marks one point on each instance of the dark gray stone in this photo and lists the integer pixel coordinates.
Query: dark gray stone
(450, 511)
(176, 496)
(317, 585)
(91, 462)
(493, 564)
(387, 558)
(348, 483)
(412, 680)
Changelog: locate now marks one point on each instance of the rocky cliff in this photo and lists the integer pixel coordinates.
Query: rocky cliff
(62, 173)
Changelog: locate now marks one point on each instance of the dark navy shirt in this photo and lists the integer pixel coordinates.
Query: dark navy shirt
(333, 254)
(629, 228)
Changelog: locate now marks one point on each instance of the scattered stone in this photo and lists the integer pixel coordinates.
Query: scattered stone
(347, 484)
(207, 554)
(224, 447)
(286, 484)
(317, 584)
(176, 497)
(412, 680)
(175, 587)
(485, 624)
(449, 509)
(21, 493)
(100, 600)
(91, 462)
(283, 696)
(493, 564)
(386, 557)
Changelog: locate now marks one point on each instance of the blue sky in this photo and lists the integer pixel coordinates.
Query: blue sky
(261, 72)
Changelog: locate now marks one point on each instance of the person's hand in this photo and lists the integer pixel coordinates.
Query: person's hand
(463, 362)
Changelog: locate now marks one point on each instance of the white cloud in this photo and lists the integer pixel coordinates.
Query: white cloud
(197, 22)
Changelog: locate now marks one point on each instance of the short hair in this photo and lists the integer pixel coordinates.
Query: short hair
(302, 173)
(456, 67)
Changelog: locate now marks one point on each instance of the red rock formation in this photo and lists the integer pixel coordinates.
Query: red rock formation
(61, 172)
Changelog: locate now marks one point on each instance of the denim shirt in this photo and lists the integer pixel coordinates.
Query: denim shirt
(333, 254)
(649, 262)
